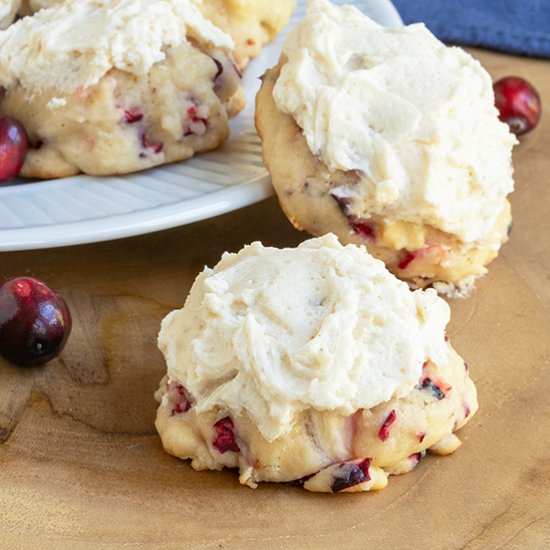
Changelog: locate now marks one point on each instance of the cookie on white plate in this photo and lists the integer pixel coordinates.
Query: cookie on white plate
(312, 365)
(158, 87)
(388, 138)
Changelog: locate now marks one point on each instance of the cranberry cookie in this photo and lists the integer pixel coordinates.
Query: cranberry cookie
(251, 23)
(314, 366)
(390, 139)
(157, 88)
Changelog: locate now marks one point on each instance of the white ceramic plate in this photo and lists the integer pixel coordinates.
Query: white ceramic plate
(85, 209)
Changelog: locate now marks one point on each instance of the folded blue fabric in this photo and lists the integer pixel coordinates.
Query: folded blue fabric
(514, 26)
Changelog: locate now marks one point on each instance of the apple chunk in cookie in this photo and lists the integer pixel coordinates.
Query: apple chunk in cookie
(388, 138)
(312, 365)
(132, 85)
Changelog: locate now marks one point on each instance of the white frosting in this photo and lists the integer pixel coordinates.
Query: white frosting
(274, 332)
(75, 43)
(8, 9)
(417, 118)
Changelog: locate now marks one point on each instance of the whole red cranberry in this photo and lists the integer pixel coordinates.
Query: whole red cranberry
(518, 103)
(34, 322)
(13, 147)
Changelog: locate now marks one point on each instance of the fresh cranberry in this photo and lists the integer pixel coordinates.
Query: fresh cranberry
(225, 436)
(13, 147)
(34, 322)
(384, 432)
(518, 103)
(350, 474)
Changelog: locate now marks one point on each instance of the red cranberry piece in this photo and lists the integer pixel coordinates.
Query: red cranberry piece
(227, 78)
(225, 436)
(417, 457)
(362, 228)
(437, 387)
(197, 123)
(359, 226)
(133, 115)
(421, 436)
(35, 322)
(384, 432)
(13, 147)
(350, 474)
(193, 114)
(179, 409)
(343, 201)
(300, 482)
(180, 397)
(518, 103)
(407, 260)
(155, 147)
(218, 83)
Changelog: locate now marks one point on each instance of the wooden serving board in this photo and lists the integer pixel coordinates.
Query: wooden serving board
(82, 467)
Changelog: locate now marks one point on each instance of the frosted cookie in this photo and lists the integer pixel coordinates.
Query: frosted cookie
(251, 23)
(390, 139)
(312, 365)
(158, 87)
(8, 11)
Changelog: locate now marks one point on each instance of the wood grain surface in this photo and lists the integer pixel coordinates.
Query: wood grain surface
(82, 467)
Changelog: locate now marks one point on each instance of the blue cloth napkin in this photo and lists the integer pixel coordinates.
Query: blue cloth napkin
(514, 26)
